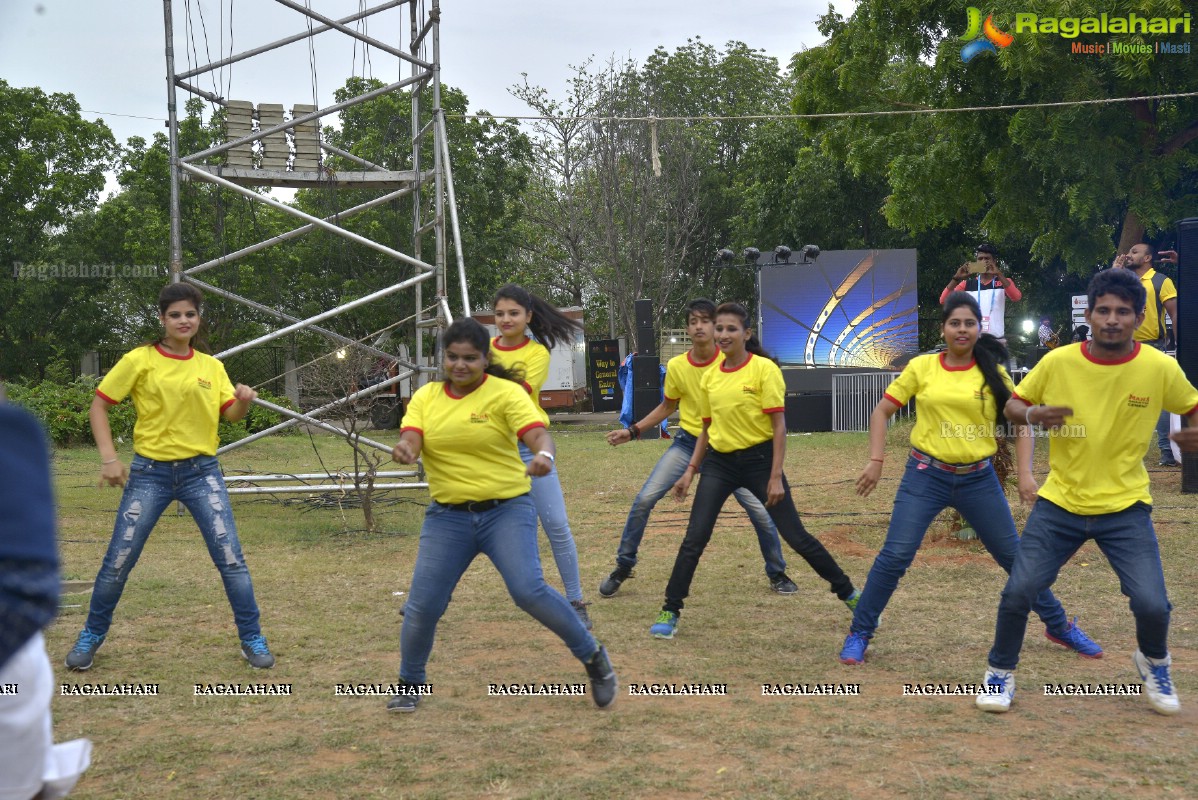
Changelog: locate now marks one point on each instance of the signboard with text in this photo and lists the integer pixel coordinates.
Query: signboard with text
(603, 364)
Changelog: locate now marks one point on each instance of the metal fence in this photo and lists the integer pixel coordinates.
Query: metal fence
(854, 398)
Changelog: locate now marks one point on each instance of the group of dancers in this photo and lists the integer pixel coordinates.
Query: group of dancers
(491, 466)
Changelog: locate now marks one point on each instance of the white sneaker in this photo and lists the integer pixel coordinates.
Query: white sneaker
(1158, 685)
(1000, 685)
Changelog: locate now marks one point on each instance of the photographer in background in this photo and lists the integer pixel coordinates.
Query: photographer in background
(985, 283)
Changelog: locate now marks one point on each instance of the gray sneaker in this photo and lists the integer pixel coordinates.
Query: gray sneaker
(603, 678)
(612, 583)
(84, 652)
(406, 701)
(255, 651)
(581, 608)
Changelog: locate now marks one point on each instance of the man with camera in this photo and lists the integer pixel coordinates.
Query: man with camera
(984, 280)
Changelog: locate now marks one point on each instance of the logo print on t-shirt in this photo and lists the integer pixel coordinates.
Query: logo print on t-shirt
(479, 418)
(1136, 402)
(747, 389)
(204, 384)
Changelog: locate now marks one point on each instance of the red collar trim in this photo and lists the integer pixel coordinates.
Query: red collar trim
(724, 366)
(947, 368)
(452, 396)
(190, 352)
(1135, 351)
(495, 343)
(690, 358)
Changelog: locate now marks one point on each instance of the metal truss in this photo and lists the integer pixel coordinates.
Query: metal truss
(426, 182)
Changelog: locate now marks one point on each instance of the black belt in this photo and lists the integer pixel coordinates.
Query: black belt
(924, 458)
(478, 506)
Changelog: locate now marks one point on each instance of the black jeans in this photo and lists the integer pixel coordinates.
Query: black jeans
(724, 473)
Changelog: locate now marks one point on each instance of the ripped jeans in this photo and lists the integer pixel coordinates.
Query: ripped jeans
(198, 484)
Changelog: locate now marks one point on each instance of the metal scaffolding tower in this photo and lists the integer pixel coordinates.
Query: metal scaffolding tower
(288, 156)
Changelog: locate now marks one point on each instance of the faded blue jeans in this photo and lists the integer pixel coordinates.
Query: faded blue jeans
(152, 485)
(665, 474)
(1050, 538)
(449, 540)
(923, 493)
(551, 508)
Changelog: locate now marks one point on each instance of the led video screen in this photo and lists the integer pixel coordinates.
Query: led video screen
(849, 308)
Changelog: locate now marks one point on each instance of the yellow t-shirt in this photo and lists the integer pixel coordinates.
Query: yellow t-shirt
(531, 357)
(955, 412)
(178, 401)
(1096, 461)
(684, 377)
(738, 403)
(1149, 329)
(469, 448)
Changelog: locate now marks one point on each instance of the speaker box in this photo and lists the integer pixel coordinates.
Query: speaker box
(646, 374)
(807, 413)
(646, 342)
(1186, 327)
(644, 401)
(644, 313)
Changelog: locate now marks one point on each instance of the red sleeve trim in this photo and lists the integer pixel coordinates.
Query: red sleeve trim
(1015, 396)
(411, 428)
(106, 398)
(672, 399)
(231, 401)
(527, 386)
(707, 420)
(893, 399)
(777, 410)
(520, 433)
(1189, 413)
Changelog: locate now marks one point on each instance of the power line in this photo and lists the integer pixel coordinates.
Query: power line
(836, 114)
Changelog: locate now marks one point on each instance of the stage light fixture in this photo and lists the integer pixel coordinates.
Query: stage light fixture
(751, 254)
(782, 254)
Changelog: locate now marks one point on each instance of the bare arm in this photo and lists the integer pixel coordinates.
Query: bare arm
(1171, 307)
(112, 471)
(654, 417)
(408, 448)
(774, 490)
(869, 477)
(540, 442)
(683, 484)
(1024, 447)
(243, 396)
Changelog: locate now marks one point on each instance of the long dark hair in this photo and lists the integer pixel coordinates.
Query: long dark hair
(988, 352)
(470, 331)
(549, 325)
(174, 292)
(753, 345)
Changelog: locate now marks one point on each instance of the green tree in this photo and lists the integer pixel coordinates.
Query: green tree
(53, 163)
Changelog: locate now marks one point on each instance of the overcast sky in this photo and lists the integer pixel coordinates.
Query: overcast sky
(111, 55)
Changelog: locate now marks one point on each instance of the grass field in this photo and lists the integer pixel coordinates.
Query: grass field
(329, 595)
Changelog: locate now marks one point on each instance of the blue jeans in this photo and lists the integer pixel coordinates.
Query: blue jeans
(1051, 537)
(551, 508)
(922, 494)
(665, 474)
(152, 485)
(449, 541)
(1162, 437)
(723, 473)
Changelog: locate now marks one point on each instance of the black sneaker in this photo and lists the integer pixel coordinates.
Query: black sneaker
(781, 584)
(603, 678)
(407, 699)
(612, 584)
(84, 651)
(581, 608)
(255, 651)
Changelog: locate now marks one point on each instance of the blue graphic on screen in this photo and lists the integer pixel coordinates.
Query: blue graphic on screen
(850, 308)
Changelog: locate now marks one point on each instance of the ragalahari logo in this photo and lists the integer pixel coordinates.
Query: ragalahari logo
(982, 36)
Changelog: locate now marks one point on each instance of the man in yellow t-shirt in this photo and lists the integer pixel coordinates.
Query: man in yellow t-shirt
(1100, 399)
(1162, 297)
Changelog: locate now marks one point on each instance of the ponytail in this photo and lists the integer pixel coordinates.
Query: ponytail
(988, 353)
(548, 325)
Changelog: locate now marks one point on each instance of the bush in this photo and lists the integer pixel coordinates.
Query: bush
(63, 409)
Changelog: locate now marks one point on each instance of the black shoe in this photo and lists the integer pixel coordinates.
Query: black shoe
(406, 701)
(612, 584)
(603, 678)
(1168, 463)
(580, 608)
(781, 584)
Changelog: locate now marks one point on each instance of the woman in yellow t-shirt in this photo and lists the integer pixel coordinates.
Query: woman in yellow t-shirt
(466, 428)
(743, 443)
(960, 394)
(179, 394)
(518, 312)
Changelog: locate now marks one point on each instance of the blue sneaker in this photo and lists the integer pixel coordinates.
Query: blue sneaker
(255, 651)
(1075, 639)
(853, 651)
(667, 623)
(84, 652)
